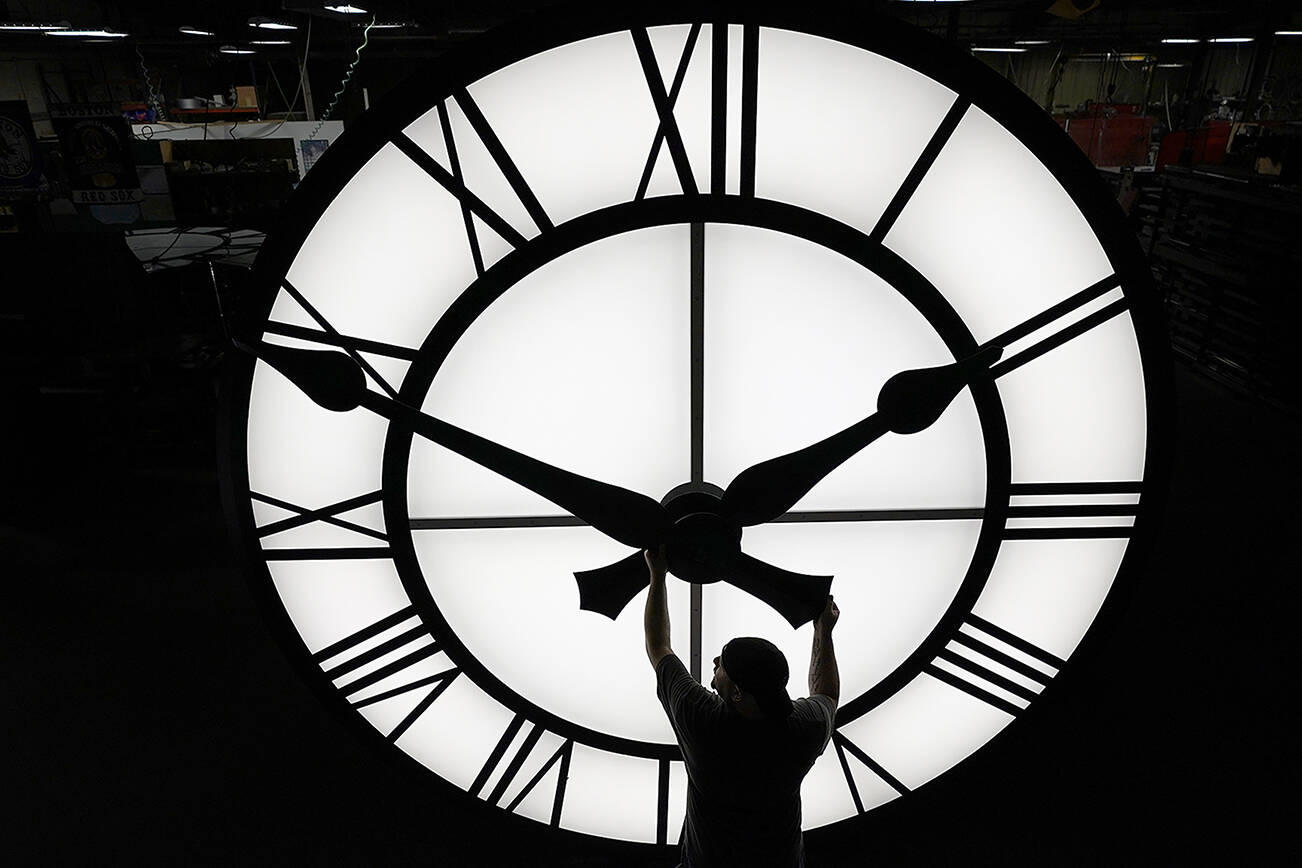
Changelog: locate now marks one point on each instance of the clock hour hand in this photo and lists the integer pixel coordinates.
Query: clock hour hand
(909, 402)
(334, 381)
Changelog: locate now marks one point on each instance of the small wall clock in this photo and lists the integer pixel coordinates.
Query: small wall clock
(655, 248)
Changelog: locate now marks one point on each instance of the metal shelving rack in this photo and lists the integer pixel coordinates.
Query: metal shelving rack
(1226, 254)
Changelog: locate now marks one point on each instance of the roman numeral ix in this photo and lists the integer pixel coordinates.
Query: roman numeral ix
(328, 515)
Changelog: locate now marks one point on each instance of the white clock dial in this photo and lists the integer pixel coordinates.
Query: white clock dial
(656, 256)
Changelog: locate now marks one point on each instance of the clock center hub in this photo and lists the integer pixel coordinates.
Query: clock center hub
(704, 543)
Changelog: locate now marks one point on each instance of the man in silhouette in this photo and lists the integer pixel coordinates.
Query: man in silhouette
(746, 745)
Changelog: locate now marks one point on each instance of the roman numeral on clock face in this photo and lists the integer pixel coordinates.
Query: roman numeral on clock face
(846, 751)
(667, 133)
(733, 109)
(920, 168)
(1072, 510)
(1059, 324)
(328, 515)
(325, 514)
(559, 759)
(357, 662)
(993, 665)
(662, 802)
(452, 178)
(328, 335)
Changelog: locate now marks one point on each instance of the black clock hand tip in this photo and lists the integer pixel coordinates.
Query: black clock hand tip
(336, 382)
(911, 401)
(329, 378)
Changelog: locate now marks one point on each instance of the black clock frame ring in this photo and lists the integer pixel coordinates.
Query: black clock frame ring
(679, 210)
(461, 65)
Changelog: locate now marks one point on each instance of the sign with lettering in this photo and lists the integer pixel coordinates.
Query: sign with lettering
(96, 145)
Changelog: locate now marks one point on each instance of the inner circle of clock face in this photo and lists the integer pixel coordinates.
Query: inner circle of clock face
(587, 363)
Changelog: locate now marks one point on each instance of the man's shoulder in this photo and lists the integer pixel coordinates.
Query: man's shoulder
(824, 705)
(671, 668)
(816, 713)
(672, 677)
(687, 702)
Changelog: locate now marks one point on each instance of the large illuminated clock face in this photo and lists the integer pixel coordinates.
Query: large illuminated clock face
(654, 252)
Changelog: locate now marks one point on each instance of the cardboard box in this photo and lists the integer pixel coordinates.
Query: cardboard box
(1268, 166)
(246, 96)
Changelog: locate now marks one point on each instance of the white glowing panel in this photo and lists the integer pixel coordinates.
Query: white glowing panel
(614, 795)
(925, 729)
(1078, 411)
(892, 582)
(304, 455)
(581, 139)
(602, 390)
(1048, 591)
(386, 257)
(677, 801)
(580, 665)
(995, 232)
(331, 599)
(840, 126)
(799, 341)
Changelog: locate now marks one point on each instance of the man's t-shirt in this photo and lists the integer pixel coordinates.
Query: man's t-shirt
(743, 790)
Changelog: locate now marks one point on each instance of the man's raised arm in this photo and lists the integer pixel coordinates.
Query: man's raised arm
(824, 677)
(655, 620)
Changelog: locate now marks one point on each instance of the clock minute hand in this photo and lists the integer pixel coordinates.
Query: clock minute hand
(334, 381)
(909, 402)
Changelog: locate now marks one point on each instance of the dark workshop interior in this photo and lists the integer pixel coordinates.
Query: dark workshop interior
(155, 719)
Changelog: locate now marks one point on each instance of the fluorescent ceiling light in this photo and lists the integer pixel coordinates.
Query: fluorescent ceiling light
(18, 25)
(347, 10)
(388, 25)
(1231, 39)
(1288, 32)
(1000, 50)
(105, 33)
(269, 24)
(269, 42)
(1171, 65)
(231, 49)
(195, 31)
(1180, 41)
(1030, 42)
